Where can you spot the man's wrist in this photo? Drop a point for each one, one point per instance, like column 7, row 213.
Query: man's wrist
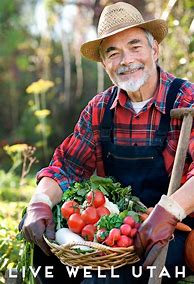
column 41, row 197
column 172, row 207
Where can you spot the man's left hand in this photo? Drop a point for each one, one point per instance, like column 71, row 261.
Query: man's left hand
column 154, row 233
column 158, row 229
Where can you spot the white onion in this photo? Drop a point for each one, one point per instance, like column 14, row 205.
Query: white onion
column 65, row 236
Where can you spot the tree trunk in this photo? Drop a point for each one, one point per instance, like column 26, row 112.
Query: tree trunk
column 79, row 72
column 67, row 68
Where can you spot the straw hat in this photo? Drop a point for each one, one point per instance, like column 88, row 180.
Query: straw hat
column 119, row 17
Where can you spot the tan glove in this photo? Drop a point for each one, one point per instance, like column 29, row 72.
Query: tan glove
column 158, row 229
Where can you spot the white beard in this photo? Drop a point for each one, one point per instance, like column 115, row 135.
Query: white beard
column 130, row 85
column 133, row 85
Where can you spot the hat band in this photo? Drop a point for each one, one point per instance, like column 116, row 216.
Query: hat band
column 118, row 27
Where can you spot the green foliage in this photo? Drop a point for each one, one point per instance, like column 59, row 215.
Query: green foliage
column 10, row 247
column 14, row 63
column 22, row 157
column 8, row 179
column 178, row 46
column 13, row 200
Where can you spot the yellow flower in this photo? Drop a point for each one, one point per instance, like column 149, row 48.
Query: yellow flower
column 42, row 113
column 15, row 148
column 39, row 87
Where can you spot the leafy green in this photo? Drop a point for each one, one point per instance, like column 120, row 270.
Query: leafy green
column 59, row 221
column 77, row 191
column 113, row 190
column 122, row 196
column 110, row 221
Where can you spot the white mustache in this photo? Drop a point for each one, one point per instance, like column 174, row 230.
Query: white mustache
column 130, row 67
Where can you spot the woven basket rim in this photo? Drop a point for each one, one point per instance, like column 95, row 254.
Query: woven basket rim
column 88, row 244
column 101, row 256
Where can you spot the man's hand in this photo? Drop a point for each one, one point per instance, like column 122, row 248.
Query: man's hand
column 39, row 221
column 158, row 229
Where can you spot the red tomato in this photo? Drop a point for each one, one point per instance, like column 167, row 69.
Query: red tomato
column 101, row 235
column 89, row 215
column 125, row 229
column 124, row 241
column 95, row 198
column 115, row 234
column 130, row 221
column 88, row 232
column 68, row 208
column 75, row 223
column 133, row 232
column 101, row 211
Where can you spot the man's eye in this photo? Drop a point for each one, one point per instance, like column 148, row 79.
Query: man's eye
column 113, row 54
column 136, row 47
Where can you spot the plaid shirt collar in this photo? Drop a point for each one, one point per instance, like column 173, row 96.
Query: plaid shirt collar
column 158, row 100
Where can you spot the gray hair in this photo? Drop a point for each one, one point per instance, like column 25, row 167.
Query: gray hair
column 150, row 38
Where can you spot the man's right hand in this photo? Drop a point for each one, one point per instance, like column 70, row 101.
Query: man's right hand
column 39, row 221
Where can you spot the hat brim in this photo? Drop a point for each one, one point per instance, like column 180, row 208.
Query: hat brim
column 157, row 27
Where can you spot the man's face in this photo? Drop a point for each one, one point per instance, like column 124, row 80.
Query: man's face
column 129, row 59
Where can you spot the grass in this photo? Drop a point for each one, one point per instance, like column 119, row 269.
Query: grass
column 12, row 203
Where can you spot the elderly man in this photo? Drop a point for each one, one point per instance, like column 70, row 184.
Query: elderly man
column 126, row 132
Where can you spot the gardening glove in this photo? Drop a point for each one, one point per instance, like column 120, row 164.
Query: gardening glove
column 39, row 221
column 158, row 229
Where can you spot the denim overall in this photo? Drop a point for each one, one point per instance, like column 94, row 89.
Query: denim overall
column 142, row 167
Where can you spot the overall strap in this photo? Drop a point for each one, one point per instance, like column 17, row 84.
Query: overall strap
column 164, row 125
column 106, row 126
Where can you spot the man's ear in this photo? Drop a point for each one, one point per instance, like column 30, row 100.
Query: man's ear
column 155, row 50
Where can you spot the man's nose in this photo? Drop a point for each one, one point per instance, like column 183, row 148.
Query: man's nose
column 127, row 58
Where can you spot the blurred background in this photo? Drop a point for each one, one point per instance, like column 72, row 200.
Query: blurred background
column 45, row 83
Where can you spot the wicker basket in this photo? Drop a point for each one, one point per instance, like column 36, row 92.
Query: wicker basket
column 100, row 255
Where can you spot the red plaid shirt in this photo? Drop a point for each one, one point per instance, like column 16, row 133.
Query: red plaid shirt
column 80, row 154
